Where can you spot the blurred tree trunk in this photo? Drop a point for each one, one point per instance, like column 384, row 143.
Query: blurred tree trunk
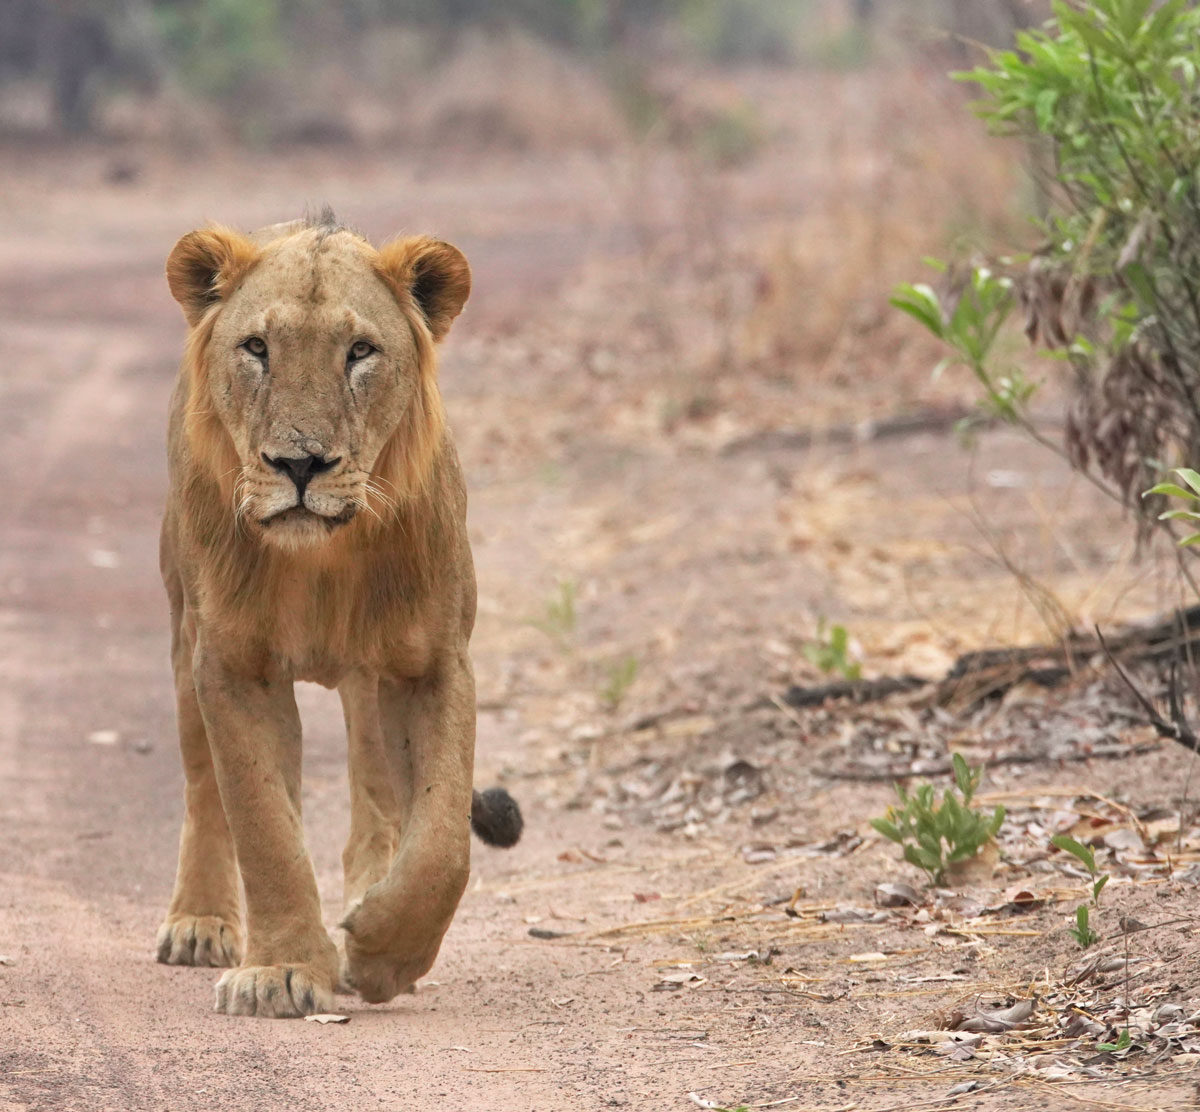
column 79, row 49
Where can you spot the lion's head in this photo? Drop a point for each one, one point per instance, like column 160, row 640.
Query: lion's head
column 312, row 380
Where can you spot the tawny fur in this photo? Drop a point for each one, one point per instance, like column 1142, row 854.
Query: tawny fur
column 365, row 584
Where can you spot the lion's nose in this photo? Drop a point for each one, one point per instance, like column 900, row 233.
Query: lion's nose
column 300, row 468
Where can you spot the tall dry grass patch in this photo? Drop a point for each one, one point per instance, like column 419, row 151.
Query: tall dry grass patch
column 900, row 171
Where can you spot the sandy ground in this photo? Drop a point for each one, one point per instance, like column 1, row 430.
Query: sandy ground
column 703, row 565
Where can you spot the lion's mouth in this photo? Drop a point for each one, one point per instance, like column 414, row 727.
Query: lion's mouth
column 302, row 515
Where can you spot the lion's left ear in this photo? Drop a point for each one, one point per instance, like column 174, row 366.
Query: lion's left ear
column 205, row 266
column 433, row 273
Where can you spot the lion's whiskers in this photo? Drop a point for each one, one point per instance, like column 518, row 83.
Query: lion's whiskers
column 240, row 498
column 389, row 503
column 364, row 504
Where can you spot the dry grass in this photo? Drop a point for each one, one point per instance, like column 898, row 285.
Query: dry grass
column 755, row 294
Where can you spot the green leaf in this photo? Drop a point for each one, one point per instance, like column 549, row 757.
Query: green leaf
column 1192, row 478
column 1175, row 515
column 1172, row 490
column 1043, row 108
column 962, row 774
column 921, row 303
column 1124, row 1041
column 1098, row 887
column 1076, row 849
column 929, row 842
column 888, row 830
column 923, row 859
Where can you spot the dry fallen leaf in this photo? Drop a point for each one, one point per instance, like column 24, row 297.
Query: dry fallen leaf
column 853, row 915
column 673, row 982
column 327, row 1017
column 758, row 853
column 1000, row 1019
column 1124, row 839
column 897, row 895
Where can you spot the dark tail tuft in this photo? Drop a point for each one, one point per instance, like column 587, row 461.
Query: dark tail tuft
column 496, row 818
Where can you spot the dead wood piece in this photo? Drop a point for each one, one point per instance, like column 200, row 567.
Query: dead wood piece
column 986, row 674
column 858, row 691
column 930, row 420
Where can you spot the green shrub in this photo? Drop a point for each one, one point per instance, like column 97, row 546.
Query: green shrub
column 937, row 835
column 1106, row 97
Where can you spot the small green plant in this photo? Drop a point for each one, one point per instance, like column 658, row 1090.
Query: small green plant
column 1174, row 490
column 558, row 621
column 1082, row 931
column 935, row 835
column 618, row 679
column 1123, row 1042
column 831, row 652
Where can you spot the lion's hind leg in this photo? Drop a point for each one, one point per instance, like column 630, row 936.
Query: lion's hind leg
column 203, row 925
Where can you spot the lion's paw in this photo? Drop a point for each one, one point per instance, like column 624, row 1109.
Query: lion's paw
column 379, row 977
column 199, row 940
column 273, row 991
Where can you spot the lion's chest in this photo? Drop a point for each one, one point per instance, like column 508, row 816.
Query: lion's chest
column 325, row 627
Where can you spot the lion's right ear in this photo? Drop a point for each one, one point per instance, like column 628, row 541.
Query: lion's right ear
column 205, row 265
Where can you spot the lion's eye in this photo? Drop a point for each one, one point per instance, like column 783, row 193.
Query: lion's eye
column 256, row 346
column 360, row 349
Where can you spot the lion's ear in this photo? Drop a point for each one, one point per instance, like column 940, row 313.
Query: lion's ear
column 204, row 266
column 435, row 274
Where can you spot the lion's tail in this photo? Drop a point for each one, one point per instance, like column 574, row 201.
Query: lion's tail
column 496, row 818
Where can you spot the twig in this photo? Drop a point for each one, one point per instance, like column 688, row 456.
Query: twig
column 504, row 1069
column 1177, row 730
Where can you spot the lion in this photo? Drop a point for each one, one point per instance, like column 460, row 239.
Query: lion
column 315, row 530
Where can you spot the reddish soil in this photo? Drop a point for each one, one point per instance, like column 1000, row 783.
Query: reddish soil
column 669, row 825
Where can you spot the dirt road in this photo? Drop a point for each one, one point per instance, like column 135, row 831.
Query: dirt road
column 644, row 991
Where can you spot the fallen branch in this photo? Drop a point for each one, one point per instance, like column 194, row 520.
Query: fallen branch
column 989, row 673
column 860, row 432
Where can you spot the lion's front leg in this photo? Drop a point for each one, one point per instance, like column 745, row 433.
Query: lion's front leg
column 394, row 933
column 254, row 731
column 203, row 925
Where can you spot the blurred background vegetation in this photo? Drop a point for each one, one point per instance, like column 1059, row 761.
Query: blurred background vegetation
column 280, row 70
